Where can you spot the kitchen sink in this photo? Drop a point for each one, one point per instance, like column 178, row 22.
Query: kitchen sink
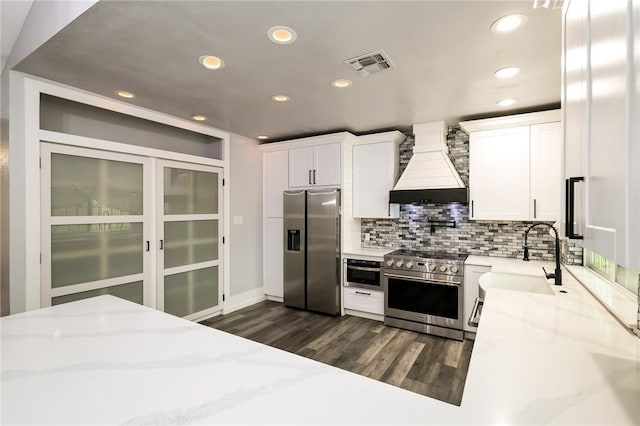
column 528, row 283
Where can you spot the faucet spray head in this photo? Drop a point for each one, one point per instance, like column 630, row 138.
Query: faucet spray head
column 526, row 253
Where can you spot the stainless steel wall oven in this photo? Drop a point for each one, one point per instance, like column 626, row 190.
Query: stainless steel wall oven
column 363, row 274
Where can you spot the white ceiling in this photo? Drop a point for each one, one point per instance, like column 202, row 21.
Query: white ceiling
column 444, row 53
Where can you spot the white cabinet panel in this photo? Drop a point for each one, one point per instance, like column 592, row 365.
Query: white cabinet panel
column 546, row 171
column 634, row 153
column 370, row 301
column 575, row 87
column 273, row 257
column 375, row 170
column 315, row 165
column 605, row 232
column 301, row 165
column 327, row 164
column 472, row 274
column 276, row 181
column 499, row 174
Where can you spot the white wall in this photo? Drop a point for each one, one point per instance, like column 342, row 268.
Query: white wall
column 246, row 203
column 44, row 20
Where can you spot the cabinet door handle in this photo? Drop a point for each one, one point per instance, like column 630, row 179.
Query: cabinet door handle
column 314, row 176
column 161, row 244
column 364, row 293
column 148, row 245
column 471, row 208
column 309, row 176
column 535, row 212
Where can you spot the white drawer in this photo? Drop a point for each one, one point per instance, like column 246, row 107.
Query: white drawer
column 363, row 300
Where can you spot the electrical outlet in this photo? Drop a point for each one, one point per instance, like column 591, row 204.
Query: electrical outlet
column 367, row 236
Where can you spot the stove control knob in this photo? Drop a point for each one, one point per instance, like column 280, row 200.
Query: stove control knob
column 399, row 264
column 454, row 269
column 409, row 265
column 390, row 262
column 432, row 268
column 443, row 268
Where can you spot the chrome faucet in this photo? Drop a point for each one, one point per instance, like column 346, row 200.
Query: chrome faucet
column 557, row 276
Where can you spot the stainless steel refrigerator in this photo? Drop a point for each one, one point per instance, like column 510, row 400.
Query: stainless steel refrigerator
column 312, row 250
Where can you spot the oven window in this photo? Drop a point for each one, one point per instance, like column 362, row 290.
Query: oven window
column 423, row 298
column 363, row 277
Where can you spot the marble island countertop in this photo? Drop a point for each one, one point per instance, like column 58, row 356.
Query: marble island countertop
column 538, row 359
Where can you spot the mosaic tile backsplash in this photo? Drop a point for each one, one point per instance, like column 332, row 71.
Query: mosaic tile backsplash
column 412, row 229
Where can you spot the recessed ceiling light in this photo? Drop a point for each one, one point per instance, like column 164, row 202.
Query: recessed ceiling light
column 211, row 62
column 508, row 23
column 125, row 94
column 280, row 98
column 507, row 72
column 341, row 83
column 198, row 117
column 281, row 35
column 506, row 102
column 263, row 137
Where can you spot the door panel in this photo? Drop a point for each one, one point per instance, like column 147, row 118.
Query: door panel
column 189, row 227
column 294, row 241
column 95, row 223
column 323, row 257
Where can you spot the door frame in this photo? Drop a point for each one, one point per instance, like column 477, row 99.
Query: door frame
column 25, row 137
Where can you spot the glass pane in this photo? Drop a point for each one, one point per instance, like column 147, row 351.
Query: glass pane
column 190, row 242
column 131, row 291
column 191, row 292
column 84, row 253
column 628, row 279
column 190, row 192
column 82, row 186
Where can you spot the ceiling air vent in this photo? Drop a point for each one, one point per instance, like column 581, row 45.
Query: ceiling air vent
column 370, row 63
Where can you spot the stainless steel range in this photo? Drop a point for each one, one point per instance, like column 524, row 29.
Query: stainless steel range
column 424, row 291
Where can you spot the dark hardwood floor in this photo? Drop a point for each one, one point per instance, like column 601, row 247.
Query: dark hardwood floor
column 428, row 365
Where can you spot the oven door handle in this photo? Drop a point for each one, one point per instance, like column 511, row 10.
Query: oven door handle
column 424, row 280
column 362, row 268
column 474, row 319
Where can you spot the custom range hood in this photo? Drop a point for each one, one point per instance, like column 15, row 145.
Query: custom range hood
column 430, row 177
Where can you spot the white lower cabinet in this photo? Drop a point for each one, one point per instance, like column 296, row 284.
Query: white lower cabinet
column 369, row 301
column 472, row 274
column 273, row 257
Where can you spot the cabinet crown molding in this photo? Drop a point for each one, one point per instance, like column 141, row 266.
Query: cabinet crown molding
column 528, row 119
column 309, row 141
column 393, row 136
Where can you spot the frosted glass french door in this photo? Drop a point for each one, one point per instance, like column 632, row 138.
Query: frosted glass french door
column 189, row 229
column 95, row 225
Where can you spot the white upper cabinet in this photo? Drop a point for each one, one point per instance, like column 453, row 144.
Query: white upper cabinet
column 276, row 181
column 315, row 165
column 499, row 174
column 607, row 146
column 375, row 171
column 301, row 165
column 546, row 171
column 327, row 164
column 601, row 102
column 515, row 167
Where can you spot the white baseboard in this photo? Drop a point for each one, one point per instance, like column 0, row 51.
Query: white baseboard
column 242, row 300
column 275, row 298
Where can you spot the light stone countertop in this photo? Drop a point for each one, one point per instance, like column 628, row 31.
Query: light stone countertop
column 367, row 253
column 537, row 359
